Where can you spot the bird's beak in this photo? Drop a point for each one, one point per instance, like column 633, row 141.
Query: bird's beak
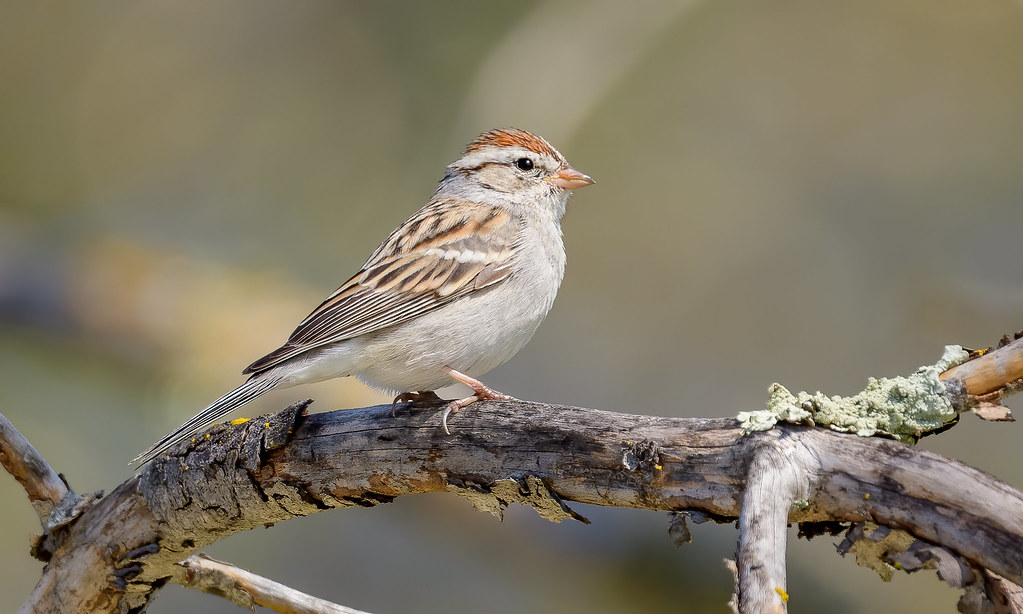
column 567, row 178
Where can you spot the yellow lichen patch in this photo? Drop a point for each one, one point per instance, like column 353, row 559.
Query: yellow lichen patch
column 238, row 421
column 781, row 592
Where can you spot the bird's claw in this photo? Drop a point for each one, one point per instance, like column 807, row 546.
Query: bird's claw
column 452, row 409
column 412, row 398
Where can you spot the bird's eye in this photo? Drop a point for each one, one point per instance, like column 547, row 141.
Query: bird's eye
column 524, row 164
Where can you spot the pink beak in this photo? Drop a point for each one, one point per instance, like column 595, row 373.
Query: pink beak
column 567, row 178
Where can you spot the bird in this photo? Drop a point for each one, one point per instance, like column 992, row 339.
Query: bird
column 453, row 292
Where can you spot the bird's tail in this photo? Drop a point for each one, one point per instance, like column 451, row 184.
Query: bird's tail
column 224, row 405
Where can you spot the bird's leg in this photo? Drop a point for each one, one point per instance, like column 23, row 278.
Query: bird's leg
column 481, row 392
column 427, row 396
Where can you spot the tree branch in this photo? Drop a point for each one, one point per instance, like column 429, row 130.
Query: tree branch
column 45, row 489
column 778, row 476
column 242, row 477
column 992, row 371
column 990, row 376
column 123, row 548
column 247, row 589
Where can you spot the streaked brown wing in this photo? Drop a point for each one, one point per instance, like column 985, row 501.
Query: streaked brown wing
column 446, row 251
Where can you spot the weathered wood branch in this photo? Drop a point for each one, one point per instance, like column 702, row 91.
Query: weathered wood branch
column 124, row 547
column 993, row 372
column 365, row 457
column 777, row 477
column 247, row 589
column 991, row 376
column 45, row 489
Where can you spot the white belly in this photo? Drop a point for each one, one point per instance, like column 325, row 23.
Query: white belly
column 472, row 335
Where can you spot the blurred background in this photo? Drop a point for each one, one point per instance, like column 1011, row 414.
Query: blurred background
column 794, row 191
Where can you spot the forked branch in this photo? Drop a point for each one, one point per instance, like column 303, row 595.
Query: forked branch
column 124, row 547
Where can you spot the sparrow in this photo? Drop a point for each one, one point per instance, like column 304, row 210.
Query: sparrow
column 452, row 293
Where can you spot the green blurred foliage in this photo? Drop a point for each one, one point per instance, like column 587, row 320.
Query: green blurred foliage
column 792, row 191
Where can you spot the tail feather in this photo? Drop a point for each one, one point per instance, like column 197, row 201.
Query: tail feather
column 241, row 395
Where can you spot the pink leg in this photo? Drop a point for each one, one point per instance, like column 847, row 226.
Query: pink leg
column 480, row 390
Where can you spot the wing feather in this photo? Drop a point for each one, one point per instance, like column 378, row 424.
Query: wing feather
column 451, row 248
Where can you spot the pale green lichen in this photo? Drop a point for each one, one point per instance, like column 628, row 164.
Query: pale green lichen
column 902, row 407
column 873, row 552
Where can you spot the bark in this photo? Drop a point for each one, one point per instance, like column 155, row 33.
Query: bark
column 247, row 589
column 115, row 553
column 541, row 455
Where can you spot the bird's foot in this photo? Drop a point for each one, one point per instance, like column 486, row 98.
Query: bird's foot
column 481, row 392
column 423, row 396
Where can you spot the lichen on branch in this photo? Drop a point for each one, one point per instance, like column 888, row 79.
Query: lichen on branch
column 904, row 407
